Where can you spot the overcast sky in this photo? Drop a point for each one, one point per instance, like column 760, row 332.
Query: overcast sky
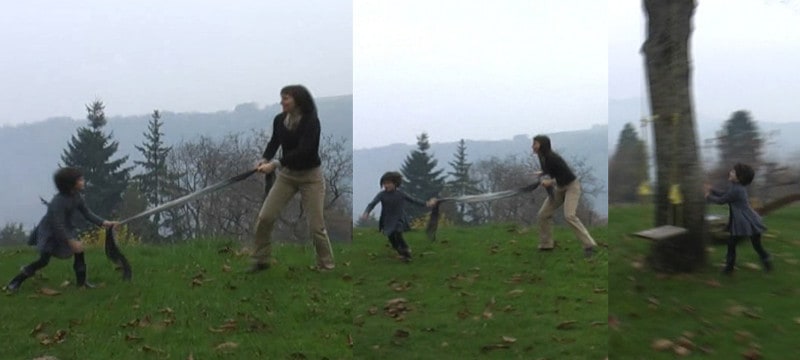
column 477, row 69
column 745, row 55
column 138, row 56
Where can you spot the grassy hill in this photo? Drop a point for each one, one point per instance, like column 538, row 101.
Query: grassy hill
column 464, row 294
column 748, row 314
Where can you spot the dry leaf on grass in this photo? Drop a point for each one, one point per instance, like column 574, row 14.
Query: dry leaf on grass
column 661, row 344
column 229, row 345
column 65, row 283
column 509, row 339
column 516, row 292
column 400, row 333
column 569, row 324
column 681, row 351
column 37, row 329
column 350, row 340
column 752, row 354
column 47, row 357
column 132, row 337
column 148, row 348
column 226, row 268
column 491, row 347
column 49, row 292
column 191, row 356
column 60, row 336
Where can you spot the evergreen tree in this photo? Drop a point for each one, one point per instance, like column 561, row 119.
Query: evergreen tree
column 156, row 184
column 421, row 180
column 739, row 141
column 461, row 183
column 91, row 150
column 628, row 166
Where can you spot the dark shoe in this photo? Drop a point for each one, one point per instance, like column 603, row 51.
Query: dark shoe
column 728, row 270
column 767, row 265
column 588, row 252
column 12, row 287
column 257, row 267
column 86, row 285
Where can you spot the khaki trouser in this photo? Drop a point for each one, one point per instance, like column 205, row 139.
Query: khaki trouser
column 568, row 196
column 311, row 185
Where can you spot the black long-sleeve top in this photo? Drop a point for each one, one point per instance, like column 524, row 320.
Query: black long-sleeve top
column 300, row 146
column 555, row 166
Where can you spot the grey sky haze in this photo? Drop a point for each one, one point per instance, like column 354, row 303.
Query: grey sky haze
column 745, row 55
column 181, row 56
column 477, row 69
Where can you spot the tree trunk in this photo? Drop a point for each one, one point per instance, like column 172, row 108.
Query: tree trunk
column 666, row 52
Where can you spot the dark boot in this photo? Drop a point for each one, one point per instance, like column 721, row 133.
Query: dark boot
column 80, row 272
column 16, row 282
column 730, row 256
column 765, row 258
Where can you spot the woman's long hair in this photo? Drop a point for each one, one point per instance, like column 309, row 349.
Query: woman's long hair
column 302, row 98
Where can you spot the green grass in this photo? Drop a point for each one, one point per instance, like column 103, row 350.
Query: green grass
column 723, row 317
column 475, row 286
column 292, row 312
column 288, row 311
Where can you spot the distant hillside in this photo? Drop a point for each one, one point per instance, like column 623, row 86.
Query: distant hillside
column 30, row 153
column 589, row 144
column 782, row 144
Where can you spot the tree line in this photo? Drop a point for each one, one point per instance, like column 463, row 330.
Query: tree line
column 423, row 180
column 115, row 189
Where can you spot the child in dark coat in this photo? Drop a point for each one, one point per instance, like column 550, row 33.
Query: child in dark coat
column 393, row 220
column 743, row 220
column 56, row 235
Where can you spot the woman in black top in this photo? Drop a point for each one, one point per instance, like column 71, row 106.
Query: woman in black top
column 56, row 235
column 296, row 131
column 567, row 192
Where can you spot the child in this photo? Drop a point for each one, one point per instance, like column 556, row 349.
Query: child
column 742, row 221
column 393, row 221
column 56, row 235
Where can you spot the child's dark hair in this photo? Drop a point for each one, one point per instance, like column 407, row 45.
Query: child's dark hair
column 302, row 97
column 393, row 176
column 744, row 173
column 66, row 178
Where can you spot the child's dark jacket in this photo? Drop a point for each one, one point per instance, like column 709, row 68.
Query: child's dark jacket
column 743, row 220
column 56, row 227
column 393, row 216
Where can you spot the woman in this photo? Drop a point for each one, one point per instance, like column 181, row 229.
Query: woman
column 567, row 192
column 296, row 131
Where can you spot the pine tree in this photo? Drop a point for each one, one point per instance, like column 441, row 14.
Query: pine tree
column 461, row 183
column 421, row 180
column 91, row 150
column 628, row 166
column 739, row 141
column 156, row 183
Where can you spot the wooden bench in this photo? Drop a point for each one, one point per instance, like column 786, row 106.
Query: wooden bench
column 661, row 232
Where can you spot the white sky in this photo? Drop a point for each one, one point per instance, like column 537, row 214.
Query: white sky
column 477, row 69
column 745, row 55
column 57, row 56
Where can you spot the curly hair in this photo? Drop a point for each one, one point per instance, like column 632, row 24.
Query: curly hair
column 302, row 97
column 66, row 178
column 744, row 173
column 393, row 176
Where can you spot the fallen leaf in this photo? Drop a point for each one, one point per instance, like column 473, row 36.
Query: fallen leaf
column 752, row 266
column 685, row 342
column 65, row 283
column 49, row 292
column 516, row 292
column 197, row 282
column 566, row 325
column 752, row 354
column 132, row 337
column 491, row 347
column 226, row 268
column 509, row 339
column 599, row 291
column 148, row 348
column 713, row 283
column 37, row 329
column 167, row 310
column 372, row 310
column 681, row 351
column 742, row 336
column 661, row 344
column 399, row 333
column 653, row 301
column 191, row 356
column 46, row 341
column 60, row 336
column 752, row 315
column 47, row 357
column 349, row 340
column 229, row 345
column 735, row 310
